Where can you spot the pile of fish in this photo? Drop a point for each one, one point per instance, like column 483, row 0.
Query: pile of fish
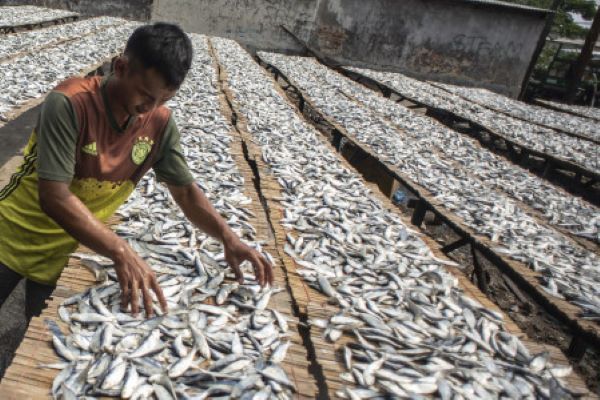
column 32, row 75
column 219, row 339
column 450, row 172
column 558, row 207
column 548, row 141
column 588, row 112
column 26, row 15
column 528, row 112
column 30, row 41
column 413, row 332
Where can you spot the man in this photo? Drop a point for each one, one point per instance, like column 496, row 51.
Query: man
column 94, row 140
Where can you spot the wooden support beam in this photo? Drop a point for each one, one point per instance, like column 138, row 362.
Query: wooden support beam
column 337, row 139
column 412, row 203
column 548, row 165
column 577, row 70
column 419, row 213
column 515, row 289
column 394, row 186
column 514, row 154
column 590, row 183
column 577, row 348
column 480, row 274
column 456, row 245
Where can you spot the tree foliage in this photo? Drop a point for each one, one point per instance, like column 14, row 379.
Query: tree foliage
column 564, row 25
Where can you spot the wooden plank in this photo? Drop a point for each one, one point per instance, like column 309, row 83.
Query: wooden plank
column 297, row 367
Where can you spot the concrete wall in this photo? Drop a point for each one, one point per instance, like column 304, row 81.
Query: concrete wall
column 255, row 23
column 451, row 41
column 131, row 9
column 448, row 40
column 442, row 40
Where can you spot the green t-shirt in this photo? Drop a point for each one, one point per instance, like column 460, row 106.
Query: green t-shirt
column 77, row 140
column 57, row 146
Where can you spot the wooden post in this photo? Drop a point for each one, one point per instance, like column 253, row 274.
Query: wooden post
column 482, row 282
column 547, row 168
column 337, row 140
column 419, row 213
column 455, row 245
column 539, row 47
column 574, row 78
column 577, row 348
column 394, row 186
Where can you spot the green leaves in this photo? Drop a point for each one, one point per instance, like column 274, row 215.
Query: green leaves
column 564, row 25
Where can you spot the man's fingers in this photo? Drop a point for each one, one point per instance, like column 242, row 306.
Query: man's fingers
column 123, row 285
column 267, row 277
column 258, row 269
column 268, row 270
column 147, row 300
column 125, row 292
column 159, row 294
column 239, row 276
column 135, row 294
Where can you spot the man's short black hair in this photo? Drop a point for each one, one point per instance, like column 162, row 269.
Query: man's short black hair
column 164, row 47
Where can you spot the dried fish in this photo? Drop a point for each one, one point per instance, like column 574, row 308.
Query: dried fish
column 30, row 41
column 527, row 112
column 197, row 350
column 32, row 75
column 462, row 178
column 26, row 15
column 548, row 141
column 377, row 269
column 582, row 111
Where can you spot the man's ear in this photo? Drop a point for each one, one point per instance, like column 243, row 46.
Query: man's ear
column 121, row 66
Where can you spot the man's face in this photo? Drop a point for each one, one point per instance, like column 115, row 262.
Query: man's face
column 140, row 90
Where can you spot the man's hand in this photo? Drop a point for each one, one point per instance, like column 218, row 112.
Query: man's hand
column 57, row 201
column 135, row 275
column 237, row 252
column 198, row 209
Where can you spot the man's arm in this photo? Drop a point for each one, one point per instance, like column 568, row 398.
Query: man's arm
column 198, row 209
column 171, row 168
column 57, row 201
column 57, row 132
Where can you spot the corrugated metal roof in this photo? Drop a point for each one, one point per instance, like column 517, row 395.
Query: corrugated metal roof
column 506, row 4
